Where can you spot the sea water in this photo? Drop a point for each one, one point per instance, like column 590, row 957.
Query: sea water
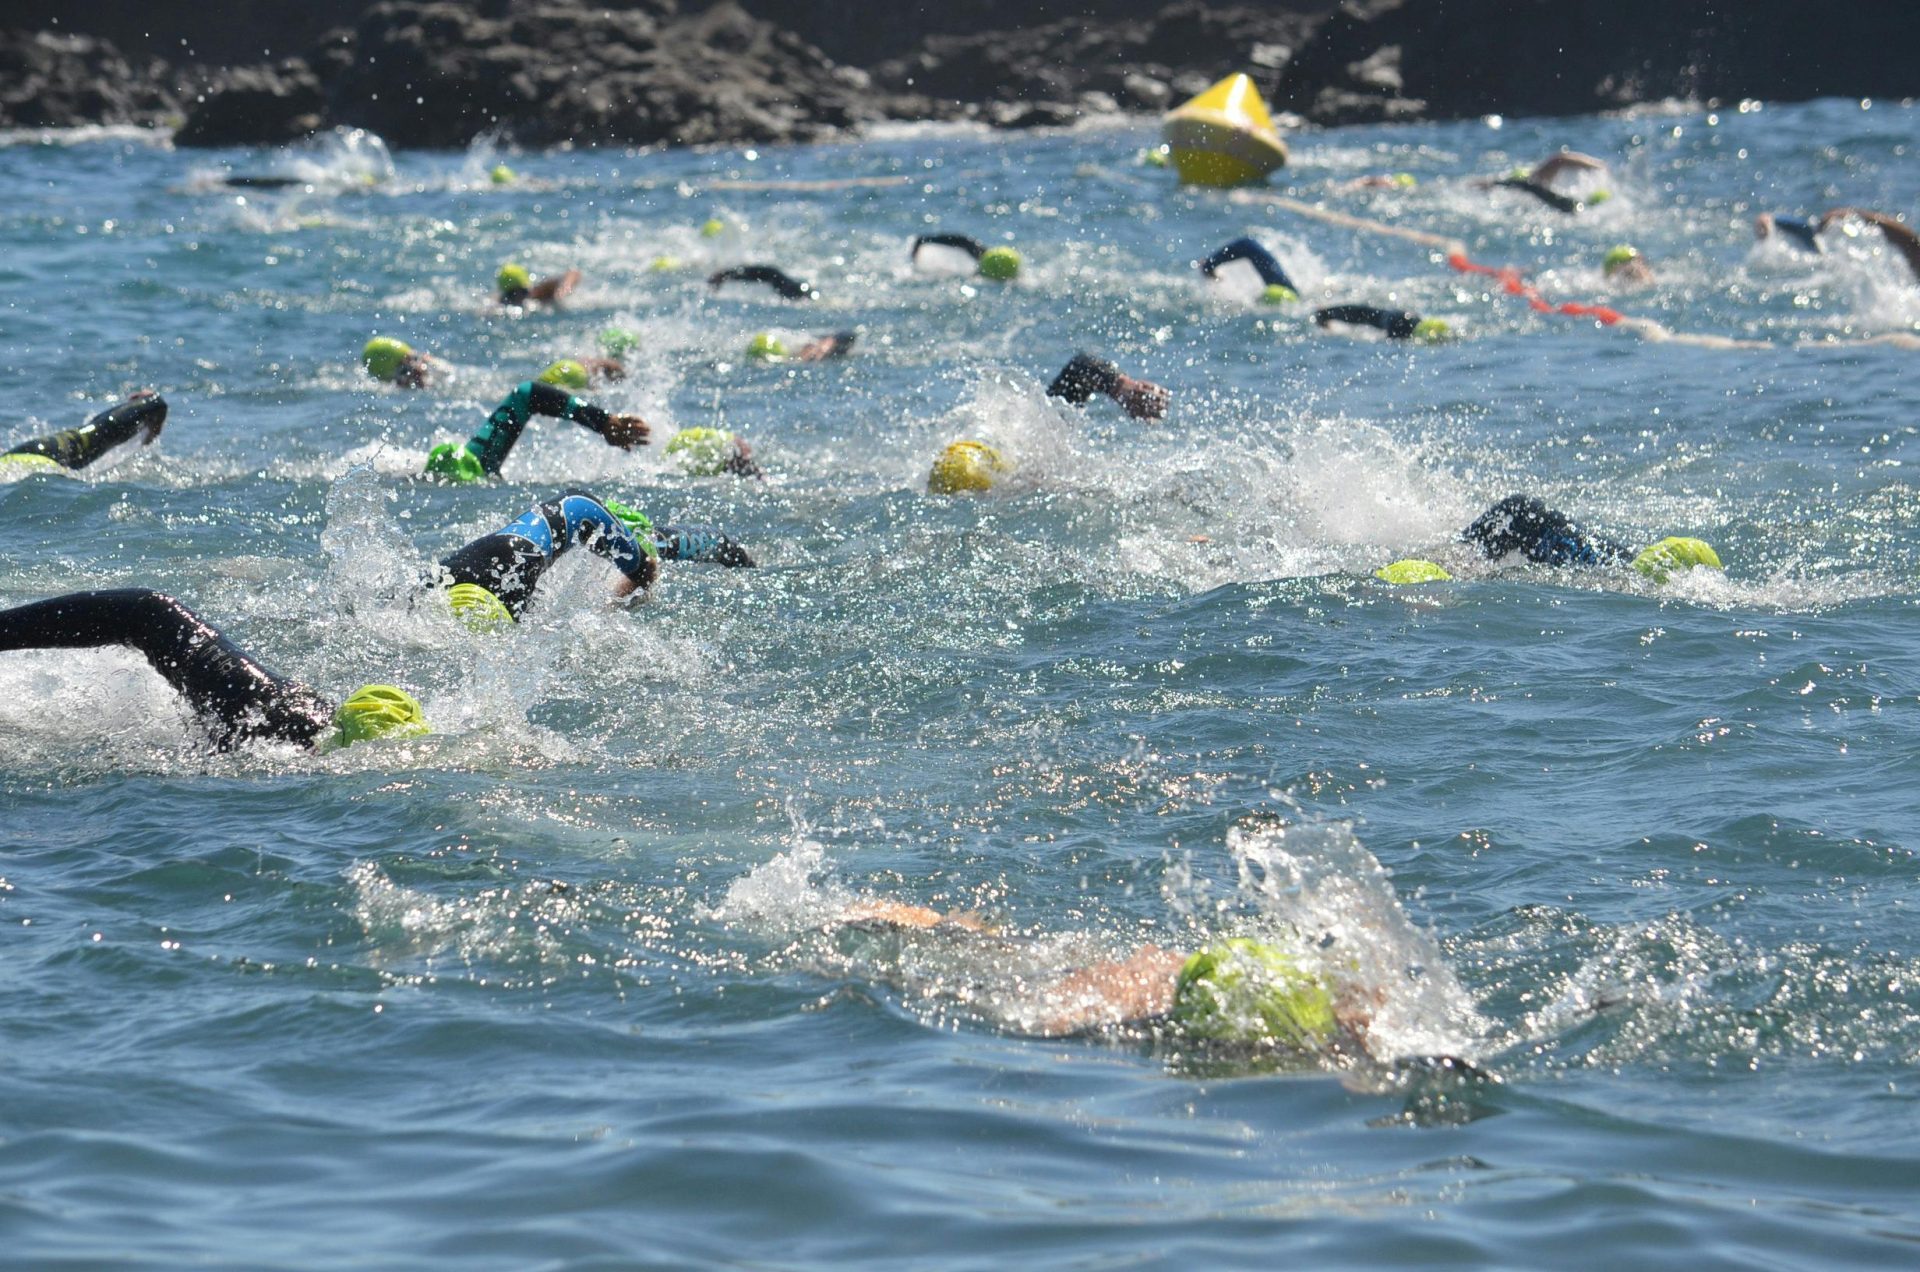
column 560, row 986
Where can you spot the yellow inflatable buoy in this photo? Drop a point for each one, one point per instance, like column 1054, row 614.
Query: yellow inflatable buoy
column 1224, row 137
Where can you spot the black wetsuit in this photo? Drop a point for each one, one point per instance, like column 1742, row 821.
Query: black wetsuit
column 1547, row 195
column 236, row 698
column 78, row 447
column 782, row 282
column 1084, row 376
column 496, row 438
column 1246, row 249
column 1523, row 524
column 1397, row 323
column 971, row 246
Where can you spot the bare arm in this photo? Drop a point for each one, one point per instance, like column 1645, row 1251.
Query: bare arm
column 1566, row 161
column 1138, row 987
column 1900, row 237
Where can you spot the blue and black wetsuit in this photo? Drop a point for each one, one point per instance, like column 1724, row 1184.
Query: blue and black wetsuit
column 496, row 438
column 1246, row 249
column 77, row 447
column 236, row 698
column 1523, row 524
column 510, row 561
column 703, row 544
column 778, row 279
column 1397, row 323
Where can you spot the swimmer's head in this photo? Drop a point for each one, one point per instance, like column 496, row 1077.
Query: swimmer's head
column 618, row 342
column 565, row 374
column 714, row 228
column 766, row 348
column 512, row 278
column 478, row 608
column 1618, row 258
column 1244, row 991
column 1519, row 172
column 1674, row 555
column 1002, row 264
column 1405, row 180
column 966, row 467
column 638, row 524
column 501, row 175
column 383, row 355
column 703, row 452
column 1432, row 330
column 1278, row 294
column 664, row 264
column 456, row 464
column 1411, row 570
column 378, row 711
column 1156, row 156
column 1598, row 197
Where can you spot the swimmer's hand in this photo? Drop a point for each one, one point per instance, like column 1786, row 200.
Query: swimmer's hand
column 1142, row 399
column 150, row 433
column 626, row 431
column 901, row 915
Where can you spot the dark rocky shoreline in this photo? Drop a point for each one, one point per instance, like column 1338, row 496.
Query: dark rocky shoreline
column 675, row 72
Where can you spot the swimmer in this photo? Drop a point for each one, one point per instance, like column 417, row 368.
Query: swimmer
column 1899, row 237
column 765, row 347
column 144, row 414
column 710, row 452
column 1382, row 181
column 493, row 578
column 1538, row 181
column 236, row 699
column 398, row 363
column 488, row 449
column 785, row 284
column 1001, row 264
column 1085, row 375
column 1544, row 536
column 1279, row 287
column 518, row 289
column 582, row 372
column 1625, row 266
column 1398, row 324
column 1797, row 232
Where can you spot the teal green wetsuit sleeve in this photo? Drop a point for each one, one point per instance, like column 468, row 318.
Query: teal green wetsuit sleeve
column 496, row 438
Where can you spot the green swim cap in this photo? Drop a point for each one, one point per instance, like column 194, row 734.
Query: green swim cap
column 378, row 711
column 1432, row 330
column 1519, row 172
column 478, row 608
column 1278, row 294
column 714, row 228
column 1155, row 156
column 565, row 374
column 455, row 464
column 661, row 264
column 1623, row 254
column 618, row 342
column 638, row 524
column 1001, row 264
column 501, row 175
column 1674, row 555
column 766, row 348
column 1598, row 197
column 383, row 355
column 512, row 278
column 1246, row 991
column 1412, row 570
column 702, row 452
column 1405, row 180
column 966, row 467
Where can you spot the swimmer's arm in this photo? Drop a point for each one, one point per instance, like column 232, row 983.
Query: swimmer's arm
column 1085, row 375
column 700, row 544
column 826, row 348
column 1900, row 237
column 1566, row 161
column 971, row 246
column 549, row 290
column 778, row 279
column 902, row 915
column 623, row 431
column 1139, row 987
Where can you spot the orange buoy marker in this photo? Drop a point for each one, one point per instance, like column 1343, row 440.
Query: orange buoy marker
column 1224, row 137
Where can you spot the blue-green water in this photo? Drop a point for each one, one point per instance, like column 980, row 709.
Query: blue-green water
column 551, row 989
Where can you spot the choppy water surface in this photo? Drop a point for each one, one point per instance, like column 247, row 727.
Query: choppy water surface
column 551, row 987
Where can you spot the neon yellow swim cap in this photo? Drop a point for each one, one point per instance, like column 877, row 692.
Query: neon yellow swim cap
column 1001, row 264
column 1278, row 294
column 1405, row 180
column 1156, row 156
column 378, row 711
column 661, row 264
column 618, row 342
column 454, row 463
column 714, row 228
column 478, row 608
column 1246, row 991
column 1616, row 257
column 1519, row 172
column 1674, row 555
column 501, row 175
column 383, row 355
column 702, row 452
column 966, row 467
column 1432, row 330
column 512, row 278
column 565, row 374
column 766, row 348
column 1412, row 570
column 1598, row 197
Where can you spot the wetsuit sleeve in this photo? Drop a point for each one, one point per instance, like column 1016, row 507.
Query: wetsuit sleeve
column 1800, row 230
column 781, row 281
column 700, row 543
column 496, row 438
column 1246, row 249
column 1523, row 524
column 1083, row 377
column 588, row 523
column 237, row 698
column 77, row 447
column 1397, row 323
column 971, row 246
column 1552, row 198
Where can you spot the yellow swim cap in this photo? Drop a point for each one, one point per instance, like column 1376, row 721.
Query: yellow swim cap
column 383, row 355
column 501, row 174
column 1405, row 180
column 966, row 466
column 1002, row 264
column 1432, row 330
column 766, row 348
column 714, row 228
column 1412, row 570
column 1598, row 197
column 702, row 452
column 378, row 711
column 1674, row 555
column 478, row 608
column 512, row 278
column 1278, row 294
column 1246, row 991
column 565, row 374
